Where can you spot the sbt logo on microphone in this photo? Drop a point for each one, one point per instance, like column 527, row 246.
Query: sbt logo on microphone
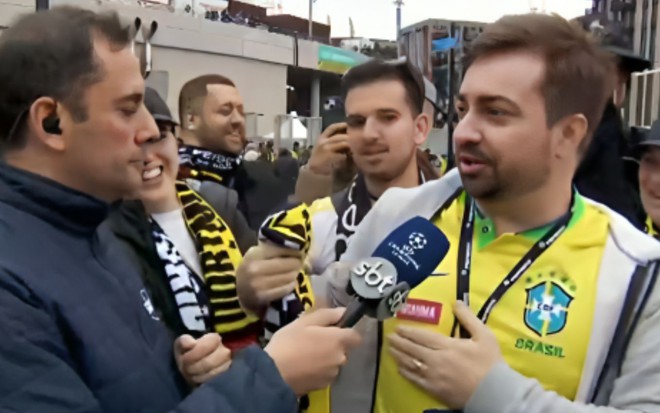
column 373, row 277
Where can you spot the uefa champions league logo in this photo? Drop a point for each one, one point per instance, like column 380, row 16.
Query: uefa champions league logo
column 417, row 241
column 406, row 251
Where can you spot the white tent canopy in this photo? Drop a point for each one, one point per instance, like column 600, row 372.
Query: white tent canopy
column 291, row 129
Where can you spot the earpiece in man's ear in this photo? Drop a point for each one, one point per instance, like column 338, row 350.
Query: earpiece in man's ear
column 51, row 125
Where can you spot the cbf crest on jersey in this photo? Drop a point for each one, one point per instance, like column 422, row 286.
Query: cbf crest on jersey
column 549, row 296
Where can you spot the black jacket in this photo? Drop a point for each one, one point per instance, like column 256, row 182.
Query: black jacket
column 286, row 169
column 130, row 224
column 260, row 192
column 79, row 332
column 601, row 175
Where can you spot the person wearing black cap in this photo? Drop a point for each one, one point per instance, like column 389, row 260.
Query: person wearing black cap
column 158, row 232
column 648, row 153
column 602, row 174
column 189, row 246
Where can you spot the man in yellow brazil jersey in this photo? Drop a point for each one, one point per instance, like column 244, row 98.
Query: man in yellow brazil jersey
column 649, row 178
column 547, row 302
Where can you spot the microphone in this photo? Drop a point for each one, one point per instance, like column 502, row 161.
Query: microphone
column 371, row 280
column 400, row 263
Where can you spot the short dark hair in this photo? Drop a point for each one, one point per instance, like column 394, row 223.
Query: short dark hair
column 51, row 53
column 579, row 75
column 378, row 70
column 194, row 91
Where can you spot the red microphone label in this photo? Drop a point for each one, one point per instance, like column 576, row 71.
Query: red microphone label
column 421, row 311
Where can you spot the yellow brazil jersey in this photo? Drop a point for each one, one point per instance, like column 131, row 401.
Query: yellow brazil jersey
column 541, row 322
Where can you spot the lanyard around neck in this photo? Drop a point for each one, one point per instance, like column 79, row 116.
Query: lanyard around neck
column 464, row 262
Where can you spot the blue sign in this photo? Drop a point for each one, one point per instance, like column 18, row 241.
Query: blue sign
column 446, row 43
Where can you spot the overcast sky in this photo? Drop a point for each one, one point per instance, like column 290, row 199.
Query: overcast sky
column 377, row 18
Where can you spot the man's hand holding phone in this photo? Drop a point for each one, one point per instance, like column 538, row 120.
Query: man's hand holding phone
column 331, row 149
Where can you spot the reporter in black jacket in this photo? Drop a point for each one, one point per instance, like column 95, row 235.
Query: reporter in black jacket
column 79, row 330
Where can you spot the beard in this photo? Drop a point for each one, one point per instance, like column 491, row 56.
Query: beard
column 482, row 188
column 496, row 184
column 215, row 141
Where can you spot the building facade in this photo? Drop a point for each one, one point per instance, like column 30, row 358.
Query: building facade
column 637, row 24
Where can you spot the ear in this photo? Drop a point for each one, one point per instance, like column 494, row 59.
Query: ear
column 42, row 108
column 192, row 121
column 422, row 128
column 572, row 135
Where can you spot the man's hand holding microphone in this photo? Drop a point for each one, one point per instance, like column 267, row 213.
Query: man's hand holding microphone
column 309, row 351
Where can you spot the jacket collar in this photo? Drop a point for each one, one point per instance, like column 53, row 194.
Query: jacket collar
column 51, row 201
column 129, row 221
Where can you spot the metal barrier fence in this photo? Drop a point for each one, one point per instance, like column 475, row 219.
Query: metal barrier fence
column 644, row 100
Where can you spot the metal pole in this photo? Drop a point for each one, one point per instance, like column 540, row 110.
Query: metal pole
column 649, row 21
column 315, row 102
column 311, row 15
column 398, row 4
column 450, row 113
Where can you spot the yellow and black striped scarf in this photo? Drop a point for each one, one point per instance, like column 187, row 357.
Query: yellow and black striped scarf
column 291, row 229
column 220, row 257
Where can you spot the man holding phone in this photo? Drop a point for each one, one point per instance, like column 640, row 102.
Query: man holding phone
column 330, row 156
column 331, row 169
column 385, row 124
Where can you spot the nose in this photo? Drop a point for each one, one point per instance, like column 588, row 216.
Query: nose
column 467, row 132
column 371, row 128
column 147, row 129
column 237, row 118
